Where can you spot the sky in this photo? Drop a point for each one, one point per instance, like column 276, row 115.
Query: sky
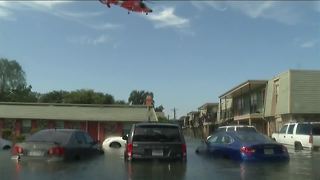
column 186, row 52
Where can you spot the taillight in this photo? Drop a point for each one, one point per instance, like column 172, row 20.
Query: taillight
column 247, row 150
column 17, row 150
column 184, row 149
column 129, row 150
column 56, row 151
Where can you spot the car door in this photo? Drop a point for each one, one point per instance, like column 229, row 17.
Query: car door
column 289, row 138
column 225, row 146
column 214, row 144
column 91, row 146
column 81, row 144
column 282, row 134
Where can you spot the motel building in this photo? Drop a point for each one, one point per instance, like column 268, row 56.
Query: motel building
column 100, row 121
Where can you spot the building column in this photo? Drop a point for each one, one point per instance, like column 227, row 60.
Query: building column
column 249, row 121
column 17, row 127
column 98, row 130
column 34, row 124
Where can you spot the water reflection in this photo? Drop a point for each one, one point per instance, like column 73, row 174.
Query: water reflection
column 302, row 165
column 154, row 169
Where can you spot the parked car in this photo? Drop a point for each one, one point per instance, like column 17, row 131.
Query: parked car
column 237, row 128
column 113, row 142
column 57, row 145
column 302, row 135
column 244, row 146
column 155, row 141
column 5, row 144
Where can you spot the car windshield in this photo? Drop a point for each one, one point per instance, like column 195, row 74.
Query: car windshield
column 157, row 133
column 59, row 137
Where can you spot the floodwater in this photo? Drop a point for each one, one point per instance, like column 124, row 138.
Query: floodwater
column 303, row 165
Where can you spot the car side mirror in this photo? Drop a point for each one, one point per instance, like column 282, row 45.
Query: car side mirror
column 125, row 137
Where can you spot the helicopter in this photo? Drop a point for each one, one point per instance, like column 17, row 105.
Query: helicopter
column 130, row 5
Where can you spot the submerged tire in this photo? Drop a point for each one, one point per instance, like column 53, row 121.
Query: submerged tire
column 298, row 146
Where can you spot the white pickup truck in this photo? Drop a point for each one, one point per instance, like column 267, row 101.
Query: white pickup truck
column 302, row 135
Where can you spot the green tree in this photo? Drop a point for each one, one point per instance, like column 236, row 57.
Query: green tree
column 159, row 108
column 22, row 94
column 13, row 86
column 139, row 97
column 11, row 77
column 53, row 97
column 120, row 102
column 88, row 96
column 163, row 120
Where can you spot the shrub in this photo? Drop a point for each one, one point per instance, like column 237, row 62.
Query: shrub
column 20, row 138
column 6, row 133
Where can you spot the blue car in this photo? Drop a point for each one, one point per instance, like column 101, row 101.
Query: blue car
column 245, row 146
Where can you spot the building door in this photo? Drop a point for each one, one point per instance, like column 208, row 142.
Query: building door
column 93, row 130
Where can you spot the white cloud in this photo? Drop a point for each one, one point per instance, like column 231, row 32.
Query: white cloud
column 52, row 7
column 48, row 4
column 317, row 5
column 309, row 44
column 217, row 5
column 283, row 12
column 86, row 40
column 253, row 9
column 167, row 18
column 106, row 26
column 5, row 13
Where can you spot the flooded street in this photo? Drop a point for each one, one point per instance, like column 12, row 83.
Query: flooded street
column 303, row 165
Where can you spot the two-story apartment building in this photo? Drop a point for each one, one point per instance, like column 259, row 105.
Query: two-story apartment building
column 291, row 96
column 208, row 116
column 244, row 104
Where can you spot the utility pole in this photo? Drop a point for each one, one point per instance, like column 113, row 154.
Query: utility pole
column 174, row 113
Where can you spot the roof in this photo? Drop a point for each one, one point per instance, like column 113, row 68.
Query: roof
column 77, row 112
column 244, row 87
column 208, row 105
column 156, row 124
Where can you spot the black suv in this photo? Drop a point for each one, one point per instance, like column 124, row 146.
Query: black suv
column 155, row 141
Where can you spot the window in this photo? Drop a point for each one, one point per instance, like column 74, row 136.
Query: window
column 316, row 129
column 88, row 138
column 303, row 129
column 59, row 124
column 61, row 137
column 226, row 140
column 283, row 129
column 214, row 139
column 157, row 133
column 290, row 130
column 26, row 126
column 80, row 138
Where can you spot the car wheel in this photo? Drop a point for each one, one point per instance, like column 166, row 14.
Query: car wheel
column 115, row 145
column 6, row 147
column 298, row 146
